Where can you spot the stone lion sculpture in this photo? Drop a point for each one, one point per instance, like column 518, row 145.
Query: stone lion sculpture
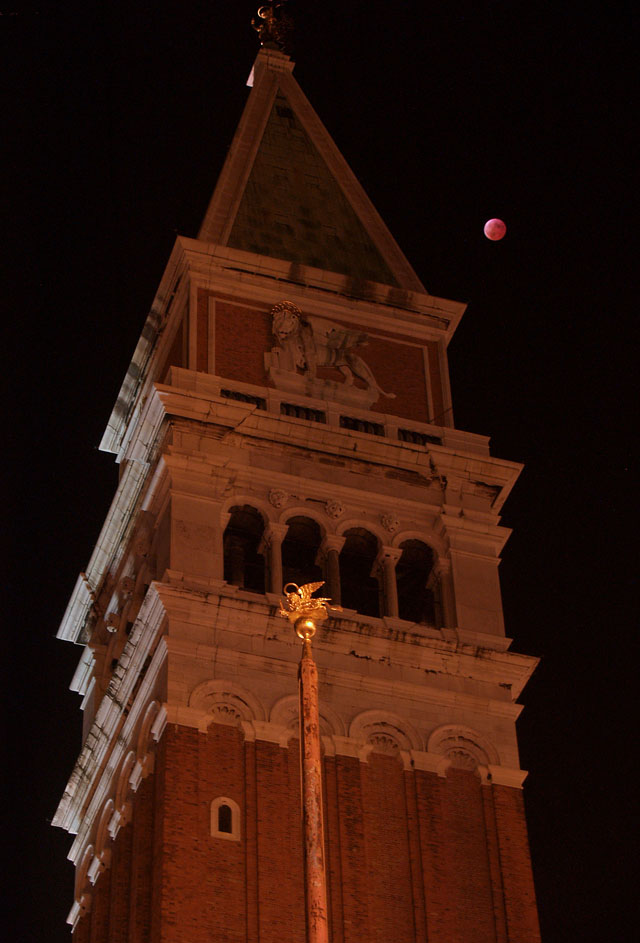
column 316, row 342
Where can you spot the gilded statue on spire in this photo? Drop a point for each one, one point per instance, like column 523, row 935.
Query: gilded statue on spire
column 273, row 25
column 304, row 610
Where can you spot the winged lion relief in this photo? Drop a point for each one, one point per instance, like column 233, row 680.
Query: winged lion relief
column 308, row 342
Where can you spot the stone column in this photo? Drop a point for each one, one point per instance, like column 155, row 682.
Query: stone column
column 312, row 813
column 443, row 591
column 329, row 554
column 272, row 538
column 386, row 563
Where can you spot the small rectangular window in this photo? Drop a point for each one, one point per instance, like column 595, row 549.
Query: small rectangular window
column 302, row 412
column 244, row 398
column 418, row 438
column 362, row 425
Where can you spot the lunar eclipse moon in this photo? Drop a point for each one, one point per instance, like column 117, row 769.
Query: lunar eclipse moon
column 494, row 229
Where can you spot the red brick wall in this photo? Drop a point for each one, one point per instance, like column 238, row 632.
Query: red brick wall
column 386, row 841
column 142, row 862
column 352, row 850
column 517, row 878
column 411, row 856
column 243, row 336
column 123, row 896
column 121, row 866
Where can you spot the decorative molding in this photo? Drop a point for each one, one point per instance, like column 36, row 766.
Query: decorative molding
column 429, row 762
column 334, row 509
column 79, row 908
column 385, row 732
column 226, row 702
column 347, row 746
column 286, row 712
column 503, row 776
column 273, row 733
column 108, row 550
column 463, row 747
column 278, row 498
column 99, row 864
column 390, row 522
column 111, row 734
column 159, row 724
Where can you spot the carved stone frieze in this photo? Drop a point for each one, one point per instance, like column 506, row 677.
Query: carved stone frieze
column 306, row 342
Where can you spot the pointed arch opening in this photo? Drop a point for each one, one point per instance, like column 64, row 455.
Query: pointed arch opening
column 300, row 550
column 414, row 579
column 244, row 564
column 360, row 589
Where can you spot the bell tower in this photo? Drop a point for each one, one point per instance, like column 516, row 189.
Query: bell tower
column 287, row 417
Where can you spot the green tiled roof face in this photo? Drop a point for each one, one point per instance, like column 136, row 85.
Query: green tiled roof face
column 293, row 208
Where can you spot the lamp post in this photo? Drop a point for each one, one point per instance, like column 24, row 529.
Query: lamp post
column 305, row 612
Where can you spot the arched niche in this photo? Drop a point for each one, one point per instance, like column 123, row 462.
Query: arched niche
column 102, row 857
column 464, row 747
column 414, row 572
column 300, row 550
column 226, row 702
column 385, row 732
column 360, row 589
column 82, row 872
column 286, row 713
column 244, row 564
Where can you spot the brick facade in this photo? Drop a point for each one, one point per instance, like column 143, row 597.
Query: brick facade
column 411, row 856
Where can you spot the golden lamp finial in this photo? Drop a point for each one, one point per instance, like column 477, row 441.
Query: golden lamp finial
column 303, row 610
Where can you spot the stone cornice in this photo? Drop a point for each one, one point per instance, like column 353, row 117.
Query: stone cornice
column 265, row 280
column 247, row 421
column 337, row 745
column 111, row 714
column 108, row 549
column 156, row 335
column 238, row 623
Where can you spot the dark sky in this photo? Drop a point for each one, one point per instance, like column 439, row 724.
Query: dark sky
column 118, row 120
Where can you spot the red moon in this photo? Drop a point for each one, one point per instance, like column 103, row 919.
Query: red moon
column 494, row 229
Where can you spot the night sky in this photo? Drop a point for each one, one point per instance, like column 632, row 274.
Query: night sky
column 118, row 120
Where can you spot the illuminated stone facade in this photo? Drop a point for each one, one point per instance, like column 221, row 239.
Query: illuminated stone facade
column 287, row 416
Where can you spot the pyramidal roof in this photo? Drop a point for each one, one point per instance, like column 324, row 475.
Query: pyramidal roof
column 286, row 192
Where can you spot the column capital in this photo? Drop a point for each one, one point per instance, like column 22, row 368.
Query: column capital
column 332, row 542
column 441, row 566
column 274, row 531
column 388, row 555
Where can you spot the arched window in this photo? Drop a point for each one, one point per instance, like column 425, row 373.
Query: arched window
column 225, row 819
column 243, row 563
column 415, row 597
column 299, row 552
column 360, row 590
